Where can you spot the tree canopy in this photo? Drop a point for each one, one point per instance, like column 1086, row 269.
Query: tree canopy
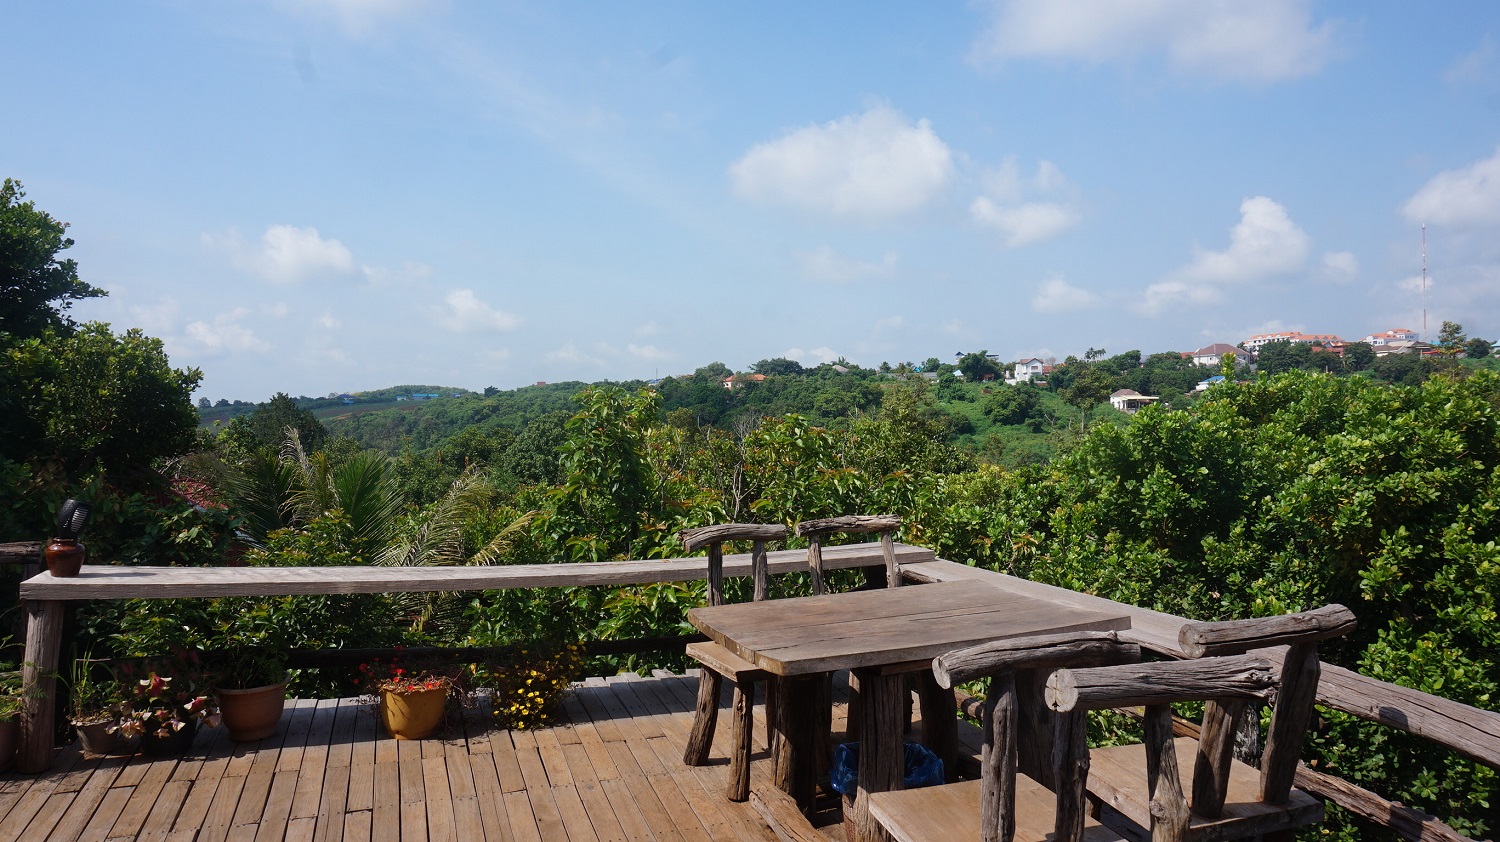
column 36, row 287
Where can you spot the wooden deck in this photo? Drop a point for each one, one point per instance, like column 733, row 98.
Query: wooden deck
column 613, row 771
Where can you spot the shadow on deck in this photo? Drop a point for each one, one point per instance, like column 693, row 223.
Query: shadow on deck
column 612, row 770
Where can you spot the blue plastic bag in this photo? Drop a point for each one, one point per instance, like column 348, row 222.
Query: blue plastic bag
column 922, row 768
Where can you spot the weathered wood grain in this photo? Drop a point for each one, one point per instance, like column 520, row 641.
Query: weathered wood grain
column 1215, row 752
column 884, row 627
column 1075, row 649
column 1236, row 637
column 111, row 582
column 1169, row 809
column 1159, row 683
column 21, row 552
column 44, row 621
column 1289, row 720
column 997, row 772
column 700, row 537
column 1471, row 732
column 1408, row 822
column 854, row 524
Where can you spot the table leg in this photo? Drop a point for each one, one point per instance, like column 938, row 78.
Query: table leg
column 796, row 742
column 881, row 753
column 1035, row 727
column 940, row 723
column 44, row 620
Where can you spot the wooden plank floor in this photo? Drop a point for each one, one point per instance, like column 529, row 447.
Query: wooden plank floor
column 612, row 771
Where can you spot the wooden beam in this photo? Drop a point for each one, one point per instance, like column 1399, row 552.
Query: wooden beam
column 1159, row 683
column 1236, row 637
column 21, row 552
column 849, row 523
column 696, row 539
column 1076, row 649
column 1471, row 732
column 122, row 582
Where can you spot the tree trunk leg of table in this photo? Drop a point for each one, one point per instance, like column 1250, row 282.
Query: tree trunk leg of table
column 855, row 712
column 796, row 716
column 881, row 753
column 44, row 621
column 705, row 718
column 940, row 723
column 1034, row 727
column 739, row 751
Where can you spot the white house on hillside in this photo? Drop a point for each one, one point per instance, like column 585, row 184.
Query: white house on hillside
column 1027, row 370
column 1211, row 355
column 1130, row 401
column 1395, row 334
column 1327, row 340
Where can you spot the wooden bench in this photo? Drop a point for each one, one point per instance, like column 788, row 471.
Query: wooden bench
column 1004, row 804
column 718, row 663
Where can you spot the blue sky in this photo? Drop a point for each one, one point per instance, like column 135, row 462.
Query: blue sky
column 334, row 195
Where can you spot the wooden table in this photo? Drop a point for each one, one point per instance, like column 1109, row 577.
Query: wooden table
column 879, row 635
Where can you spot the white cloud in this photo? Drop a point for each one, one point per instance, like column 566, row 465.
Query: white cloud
column 1024, row 224
column 278, row 310
column 285, row 254
column 1413, row 283
column 1164, row 294
column 156, row 320
column 1004, row 207
column 465, row 312
column 1474, row 66
column 646, row 352
column 889, row 323
column 225, row 334
column 647, row 330
column 874, row 164
column 1265, row 243
column 1340, row 266
column 357, row 17
column 953, row 327
column 1464, row 197
column 825, row 264
column 1263, row 41
column 328, row 322
column 1059, row 296
column 570, row 353
column 410, row 272
column 816, row 356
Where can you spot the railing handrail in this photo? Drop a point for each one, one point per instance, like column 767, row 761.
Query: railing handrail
column 133, row 582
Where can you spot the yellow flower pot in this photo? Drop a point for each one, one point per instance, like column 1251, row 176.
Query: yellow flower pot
column 412, row 715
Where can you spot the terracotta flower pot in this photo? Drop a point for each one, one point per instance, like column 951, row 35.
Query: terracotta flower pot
column 413, row 715
column 252, row 714
column 97, row 738
column 10, row 736
column 64, row 557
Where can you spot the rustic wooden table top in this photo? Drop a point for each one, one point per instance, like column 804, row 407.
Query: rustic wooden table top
column 898, row 628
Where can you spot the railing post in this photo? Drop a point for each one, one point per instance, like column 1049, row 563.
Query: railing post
column 44, row 619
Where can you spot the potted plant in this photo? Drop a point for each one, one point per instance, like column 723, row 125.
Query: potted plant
column 165, row 709
column 93, row 708
column 411, row 701
column 249, row 668
column 10, row 710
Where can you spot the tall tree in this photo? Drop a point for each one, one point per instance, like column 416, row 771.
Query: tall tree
column 1451, row 338
column 36, row 288
column 976, row 365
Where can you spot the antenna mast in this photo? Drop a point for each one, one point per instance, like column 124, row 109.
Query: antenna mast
column 1424, row 282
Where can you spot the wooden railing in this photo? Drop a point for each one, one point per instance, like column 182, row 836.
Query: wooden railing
column 1468, row 731
column 44, row 597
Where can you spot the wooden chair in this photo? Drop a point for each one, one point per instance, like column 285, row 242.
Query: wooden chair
column 718, row 663
column 1146, row 783
column 1004, row 804
column 816, row 531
